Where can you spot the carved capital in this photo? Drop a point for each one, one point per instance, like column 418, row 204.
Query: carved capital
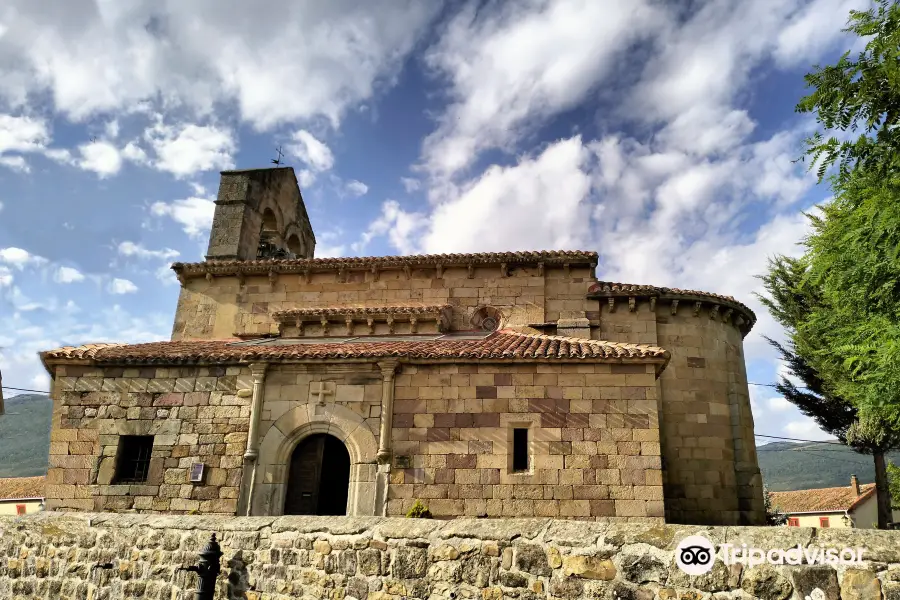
column 384, row 457
column 258, row 372
column 388, row 368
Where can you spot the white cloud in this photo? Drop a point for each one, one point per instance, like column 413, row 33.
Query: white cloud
column 806, row 429
column 411, row 184
column 135, row 154
column 357, row 188
column 1, row 206
column 303, row 61
column 68, row 275
column 6, row 276
column 16, row 163
column 112, row 129
column 399, row 225
column 311, row 151
column 138, row 251
column 779, row 404
column 520, row 64
column 101, row 157
column 22, row 134
column 195, row 215
column 121, row 286
column 19, row 258
column 188, row 149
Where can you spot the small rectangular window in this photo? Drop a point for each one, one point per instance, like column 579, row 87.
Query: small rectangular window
column 20, row 509
column 133, row 462
column 793, row 522
column 823, row 522
column 520, row 449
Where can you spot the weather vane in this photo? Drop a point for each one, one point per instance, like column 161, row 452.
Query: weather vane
column 277, row 161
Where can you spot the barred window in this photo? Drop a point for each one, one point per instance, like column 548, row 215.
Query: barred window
column 133, row 463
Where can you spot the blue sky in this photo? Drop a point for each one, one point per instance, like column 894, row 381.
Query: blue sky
column 660, row 134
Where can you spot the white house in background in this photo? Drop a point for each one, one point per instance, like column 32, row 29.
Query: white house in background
column 854, row 506
column 21, row 495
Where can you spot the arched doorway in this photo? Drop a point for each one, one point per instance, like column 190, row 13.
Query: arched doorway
column 318, row 477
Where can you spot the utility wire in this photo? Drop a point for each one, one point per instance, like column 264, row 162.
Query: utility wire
column 6, row 387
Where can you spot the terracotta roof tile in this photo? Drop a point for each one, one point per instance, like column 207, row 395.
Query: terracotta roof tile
column 19, row 488
column 821, row 499
column 499, row 345
column 574, row 257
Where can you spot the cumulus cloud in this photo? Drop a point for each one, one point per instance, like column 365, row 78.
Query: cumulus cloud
column 313, row 153
column 303, row 61
column 68, row 275
column 138, row 251
column 356, row 188
column 187, row 149
column 195, row 215
column 121, row 286
column 411, row 184
column 100, row 157
column 19, row 258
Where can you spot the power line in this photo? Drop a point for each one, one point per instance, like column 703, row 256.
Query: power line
column 6, row 387
column 775, row 437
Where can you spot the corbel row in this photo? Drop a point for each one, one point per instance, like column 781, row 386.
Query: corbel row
column 726, row 316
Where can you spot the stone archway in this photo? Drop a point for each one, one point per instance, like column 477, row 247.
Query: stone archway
column 291, row 428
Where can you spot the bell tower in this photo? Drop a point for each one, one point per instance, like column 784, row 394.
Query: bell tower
column 260, row 214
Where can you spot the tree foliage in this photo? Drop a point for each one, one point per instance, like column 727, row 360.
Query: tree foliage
column 859, row 96
column 774, row 516
column 893, row 472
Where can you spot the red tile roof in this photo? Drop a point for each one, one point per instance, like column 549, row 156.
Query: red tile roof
column 822, row 499
column 505, row 344
column 20, row 488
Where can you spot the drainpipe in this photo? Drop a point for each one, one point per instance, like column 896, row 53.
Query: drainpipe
column 251, row 455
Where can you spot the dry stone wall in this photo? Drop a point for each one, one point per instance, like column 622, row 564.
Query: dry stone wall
column 104, row 556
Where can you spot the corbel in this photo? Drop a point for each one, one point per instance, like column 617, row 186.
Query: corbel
column 209, row 276
column 727, row 316
column 299, row 324
column 674, row 306
column 504, row 272
column 566, row 270
column 349, row 322
column 341, row 275
column 306, row 275
column 612, row 304
column 375, row 272
column 652, row 303
column 371, row 323
column 714, row 312
column 407, row 270
column 439, row 270
column 390, row 323
column 631, row 303
column 540, row 269
column 413, row 323
column 739, row 320
column 697, row 306
column 241, row 280
column 272, row 279
column 324, row 322
column 470, row 270
column 180, row 277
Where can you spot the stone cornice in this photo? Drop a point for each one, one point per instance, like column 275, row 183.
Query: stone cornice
column 369, row 315
column 503, row 260
column 724, row 308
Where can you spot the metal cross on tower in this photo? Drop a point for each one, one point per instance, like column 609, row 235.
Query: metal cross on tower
column 277, row 161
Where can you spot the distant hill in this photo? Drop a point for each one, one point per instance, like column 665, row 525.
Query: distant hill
column 790, row 466
column 25, row 436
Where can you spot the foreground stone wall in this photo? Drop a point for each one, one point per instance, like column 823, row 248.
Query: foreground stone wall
column 54, row 555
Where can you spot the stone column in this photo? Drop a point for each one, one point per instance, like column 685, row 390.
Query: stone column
column 384, row 455
column 251, row 454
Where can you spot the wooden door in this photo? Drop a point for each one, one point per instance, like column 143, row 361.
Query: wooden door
column 304, row 477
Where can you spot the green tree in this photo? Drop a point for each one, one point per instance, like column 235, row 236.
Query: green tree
column 859, row 95
column 792, row 300
column 893, row 472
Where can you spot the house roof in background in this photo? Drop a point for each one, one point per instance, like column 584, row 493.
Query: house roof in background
column 21, row 488
column 837, row 499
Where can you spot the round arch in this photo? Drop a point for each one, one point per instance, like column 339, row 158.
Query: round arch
column 304, row 420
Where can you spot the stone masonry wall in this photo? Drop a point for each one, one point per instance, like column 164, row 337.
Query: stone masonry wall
column 194, row 414
column 112, row 557
column 222, row 307
column 593, row 434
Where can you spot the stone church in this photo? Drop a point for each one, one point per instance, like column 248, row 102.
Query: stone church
column 485, row 385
